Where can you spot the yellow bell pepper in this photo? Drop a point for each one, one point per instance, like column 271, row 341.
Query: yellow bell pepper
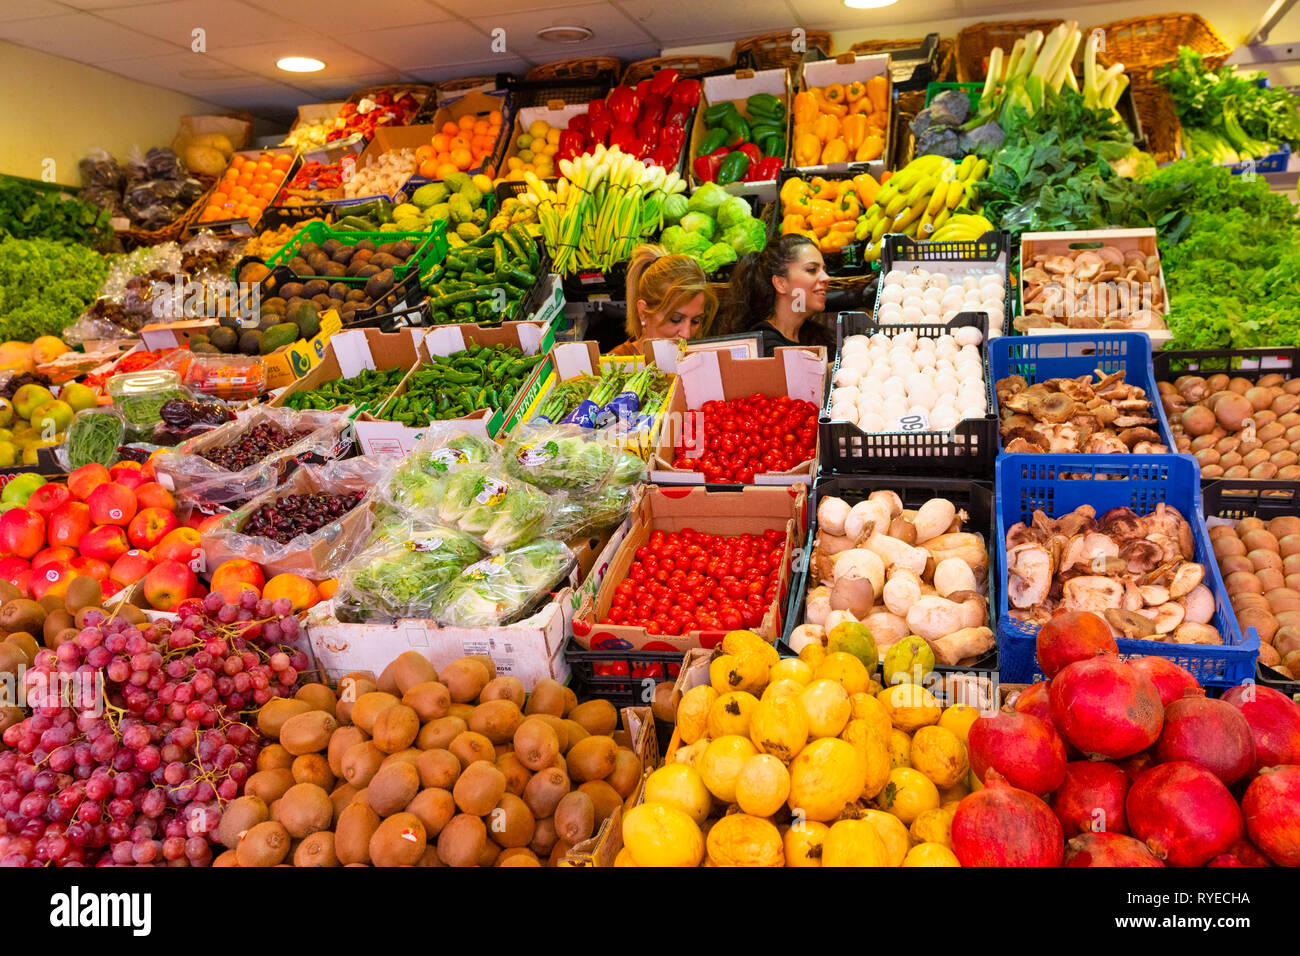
column 807, row 149
column 793, row 222
column 834, row 93
column 866, row 187
column 878, row 92
column 819, row 186
column 792, row 190
column 870, row 149
column 854, row 131
column 848, row 208
column 834, row 241
column 855, row 91
column 799, row 205
column 862, row 106
column 836, row 151
column 829, row 106
column 821, row 220
column 805, row 108
column 827, row 127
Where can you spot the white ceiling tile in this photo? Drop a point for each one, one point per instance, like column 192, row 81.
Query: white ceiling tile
column 422, row 47
column 492, row 8
column 263, row 99
column 692, row 21
column 26, row 9
column 226, row 23
column 260, row 58
column 378, row 13
column 101, row 4
column 329, row 88
column 609, row 25
column 500, row 64
column 83, row 37
column 193, row 73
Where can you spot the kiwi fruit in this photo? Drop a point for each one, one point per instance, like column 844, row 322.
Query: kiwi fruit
column 396, row 728
column 479, row 787
column 603, row 797
column 439, row 733
column 26, row 643
column 340, row 741
column 463, row 711
column 319, row 696
column 369, row 707
column 266, row 844
column 25, row 615
column 434, row 806
column 517, row 775
column 351, row 689
column 465, row 678
column 386, row 681
column 438, row 768
column 497, row 720
column 626, row 773
column 51, row 602
column 575, row 817
column 241, row 815
column 410, row 755
column 84, row 591
column 570, row 699
column 270, row 785
column 503, row 688
column 361, row 762
column 429, row 699
column 357, row 824
column 399, row 841
column 392, row 788
column 131, row 614
column 341, row 796
column 430, row 857
column 306, row 808
column 462, row 841
column 276, row 712
column 517, row 856
column 411, row 668
column 229, row 858
column 511, row 823
column 470, row 746
column 536, row 743
column 544, row 791
column 547, row 698
column 544, row 836
column 591, row 758
column 559, row 852
column 489, row 855
column 316, row 850
column 65, row 635
column 662, row 706
column 573, row 732
column 307, row 733
column 8, row 592
column 598, row 717
column 313, row 768
column 274, row 757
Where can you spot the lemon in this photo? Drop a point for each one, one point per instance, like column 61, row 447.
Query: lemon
column 538, row 129
column 958, row 719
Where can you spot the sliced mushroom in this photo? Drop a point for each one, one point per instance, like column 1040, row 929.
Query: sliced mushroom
column 1132, row 596
column 1191, row 633
column 1131, row 436
column 1087, row 265
column 1167, row 617
column 1153, row 595
column 1029, row 567
column 1188, row 576
column 1130, row 624
column 1198, row 605
column 1141, row 556
column 1169, row 549
column 1104, row 443
column 1091, row 593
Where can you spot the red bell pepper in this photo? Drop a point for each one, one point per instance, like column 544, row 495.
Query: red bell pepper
column 664, row 156
column 643, row 89
column 753, row 152
column 572, row 143
column 706, row 167
column 661, row 84
column 647, row 128
column 677, row 115
column 654, row 107
column 624, row 104
column 579, row 122
column 643, row 148
column 767, row 169
column 686, row 92
column 598, row 132
column 598, row 110
column 623, row 135
column 673, row 137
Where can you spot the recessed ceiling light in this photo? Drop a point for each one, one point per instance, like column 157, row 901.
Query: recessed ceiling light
column 565, row 34
column 869, row 4
column 300, row 64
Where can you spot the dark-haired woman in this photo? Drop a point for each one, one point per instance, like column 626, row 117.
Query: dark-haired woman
column 779, row 292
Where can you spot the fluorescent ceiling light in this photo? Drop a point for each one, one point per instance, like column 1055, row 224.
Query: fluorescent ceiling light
column 300, row 64
column 869, row 4
column 565, row 34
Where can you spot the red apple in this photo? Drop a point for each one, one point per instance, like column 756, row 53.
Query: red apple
column 150, row 526
column 153, row 495
column 181, row 544
column 48, row 499
column 52, row 579
column 128, row 474
column 68, row 524
column 131, row 567
column 237, row 575
column 112, row 504
column 11, row 568
column 22, row 532
column 169, row 583
column 46, row 555
column 91, row 568
column 147, row 469
column 210, row 524
column 108, row 587
column 107, row 542
column 86, row 479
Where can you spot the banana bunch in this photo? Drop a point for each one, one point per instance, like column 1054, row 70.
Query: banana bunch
column 921, row 199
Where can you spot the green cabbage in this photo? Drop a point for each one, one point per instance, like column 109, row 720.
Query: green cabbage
column 707, row 199
column 674, row 208
column 700, row 223
column 716, row 256
column 733, row 211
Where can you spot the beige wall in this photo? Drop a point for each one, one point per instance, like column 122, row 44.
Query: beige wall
column 59, row 109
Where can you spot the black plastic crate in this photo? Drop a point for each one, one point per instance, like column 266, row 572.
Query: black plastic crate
column 624, row 678
column 1236, row 499
column 849, row 261
column 525, row 93
column 991, row 249
column 970, row 448
column 912, row 67
column 976, row 498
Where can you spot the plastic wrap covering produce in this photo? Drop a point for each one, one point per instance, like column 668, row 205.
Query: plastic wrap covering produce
column 248, row 457
column 417, row 486
column 495, row 508
column 93, row 437
column 497, row 589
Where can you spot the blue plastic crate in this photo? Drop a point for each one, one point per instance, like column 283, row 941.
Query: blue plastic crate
column 1140, row 482
column 1038, row 358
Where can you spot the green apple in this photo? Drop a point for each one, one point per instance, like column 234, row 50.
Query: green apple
column 20, row 488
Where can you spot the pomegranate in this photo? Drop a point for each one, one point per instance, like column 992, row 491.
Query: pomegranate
column 1108, row 849
column 1171, row 680
column 1033, row 701
column 1091, row 798
column 1105, row 708
column 1002, row 825
column 1272, row 808
column 1183, row 813
column 1275, row 721
column 1241, row 853
column 1072, row 636
column 1023, row 749
column 1209, row 733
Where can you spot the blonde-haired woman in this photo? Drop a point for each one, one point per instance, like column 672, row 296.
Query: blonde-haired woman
column 667, row 297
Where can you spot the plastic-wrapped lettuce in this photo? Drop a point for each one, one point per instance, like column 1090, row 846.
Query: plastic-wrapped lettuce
column 497, row 509
column 591, row 513
column 419, row 483
column 569, row 458
column 495, row 590
column 402, row 572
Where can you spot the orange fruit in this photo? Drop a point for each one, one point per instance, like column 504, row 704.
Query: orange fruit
column 423, row 152
column 236, row 161
column 495, row 117
column 282, row 161
column 440, row 142
column 450, row 128
column 217, row 199
column 462, row 159
column 268, row 191
column 301, row 592
column 467, row 121
column 480, row 128
column 429, row 168
column 445, row 168
column 327, row 587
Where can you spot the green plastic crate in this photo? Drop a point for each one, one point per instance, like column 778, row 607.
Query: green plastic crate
column 973, row 90
column 431, row 248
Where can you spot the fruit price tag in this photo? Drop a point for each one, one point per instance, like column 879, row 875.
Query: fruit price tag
column 918, row 422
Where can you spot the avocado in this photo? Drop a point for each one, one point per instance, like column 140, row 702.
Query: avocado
column 314, row 288
column 307, row 318
column 225, row 339
column 278, row 336
column 276, row 303
column 250, row 343
column 334, row 270
column 227, row 322
column 365, row 244
column 205, row 348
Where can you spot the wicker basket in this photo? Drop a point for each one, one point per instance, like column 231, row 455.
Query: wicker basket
column 1155, row 109
column 773, row 50
column 1144, row 43
column 134, row 238
column 462, row 84
column 976, row 42
column 684, row 65
column 582, row 68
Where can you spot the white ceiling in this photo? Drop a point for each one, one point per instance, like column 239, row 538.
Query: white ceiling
column 150, row 41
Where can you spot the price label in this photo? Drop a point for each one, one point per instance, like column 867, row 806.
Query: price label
column 918, row 422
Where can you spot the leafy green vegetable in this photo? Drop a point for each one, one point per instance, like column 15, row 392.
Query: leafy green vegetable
column 569, row 458
column 707, row 199
column 501, row 511
column 45, row 286
column 716, row 256
column 403, row 572
column 746, row 236
column 698, row 222
column 29, row 211
column 496, row 589
column 418, row 484
column 591, row 512
column 732, row 211
column 1230, row 106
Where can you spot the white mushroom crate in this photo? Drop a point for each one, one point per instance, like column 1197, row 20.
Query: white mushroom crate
column 1117, row 534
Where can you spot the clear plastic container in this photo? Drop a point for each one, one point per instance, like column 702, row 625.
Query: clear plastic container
column 138, row 396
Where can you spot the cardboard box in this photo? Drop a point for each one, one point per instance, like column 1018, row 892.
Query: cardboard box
column 846, row 68
column 246, row 227
column 379, row 437
column 479, row 103
column 310, row 114
column 234, row 129
column 350, row 353
column 718, row 376
column 174, row 335
column 753, row 510
column 736, row 88
column 388, row 138
column 555, row 113
column 290, row 362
